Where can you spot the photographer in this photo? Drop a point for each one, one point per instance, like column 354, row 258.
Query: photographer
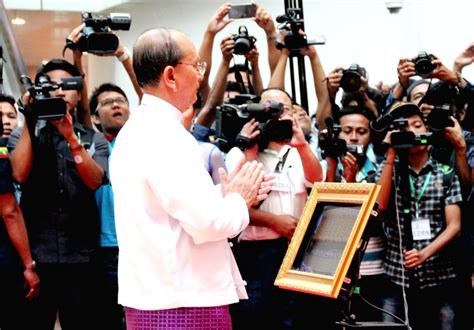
column 19, row 281
column 122, row 54
column 361, row 95
column 263, row 244
column 218, row 22
column 433, row 68
column 358, row 164
column 65, row 162
column 226, row 75
column 427, row 225
column 278, row 80
column 9, row 115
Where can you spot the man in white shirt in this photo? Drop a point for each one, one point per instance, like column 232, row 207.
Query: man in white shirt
column 263, row 244
column 176, row 268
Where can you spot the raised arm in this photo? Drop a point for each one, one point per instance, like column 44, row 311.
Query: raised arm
column 216, row 96
column 84, row 114
column 455, row 136
column 278, row 77
column 123, row 55
column 333, row 83
column 216, row 24
column 464, row 59
column 319, row 78
column 265, row 21
column 256, row 77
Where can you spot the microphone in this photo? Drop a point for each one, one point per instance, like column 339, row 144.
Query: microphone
column 269, row 106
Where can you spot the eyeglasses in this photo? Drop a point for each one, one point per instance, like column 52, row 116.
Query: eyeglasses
column 107, row 103
column 200, row 66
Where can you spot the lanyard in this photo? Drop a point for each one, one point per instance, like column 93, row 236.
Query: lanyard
column 422, row 191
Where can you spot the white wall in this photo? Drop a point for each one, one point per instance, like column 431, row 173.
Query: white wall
column 356, row 32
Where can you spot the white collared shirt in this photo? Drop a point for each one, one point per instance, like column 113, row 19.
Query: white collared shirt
column 289, row 192
column 172, row 222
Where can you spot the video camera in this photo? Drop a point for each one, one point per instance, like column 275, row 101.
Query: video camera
column 351, row 78
column 243, row 42
column 232, row 117
column 97, row 38
column 44, row 105
column 423, row 66
column 293, row 23
column 332, row 146
column 403, row 138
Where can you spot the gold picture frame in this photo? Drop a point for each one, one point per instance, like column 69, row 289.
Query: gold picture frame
column 326, row 238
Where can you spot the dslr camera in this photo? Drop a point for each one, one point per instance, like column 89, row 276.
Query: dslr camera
column 351, row 78
column 332, row 146
column 440, row 117
column 232, row 117
column 423, row 66
column 96, row 38
column 243, row 42
column 44, row 105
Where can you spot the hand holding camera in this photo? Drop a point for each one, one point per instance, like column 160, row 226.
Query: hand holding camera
column 405, row 69
column 455, row 135
column 354, row 79
column 96, row 36
column 227, row 48
column 350, row 165
column 243, row 42
column 265, row 21
column 252, row 56
column 424, row 64
column 42, row 104
column 334, row 81
column 219, row 20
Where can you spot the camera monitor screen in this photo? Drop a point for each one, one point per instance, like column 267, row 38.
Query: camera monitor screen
column 326, row 238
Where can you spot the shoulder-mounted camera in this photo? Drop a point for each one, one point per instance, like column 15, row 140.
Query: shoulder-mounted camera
column 96, row 38
column 231, row 118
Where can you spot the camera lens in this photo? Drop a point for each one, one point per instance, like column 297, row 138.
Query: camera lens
column 423, row 67
column 242, row 46
column 350, row 81
column 439, row 118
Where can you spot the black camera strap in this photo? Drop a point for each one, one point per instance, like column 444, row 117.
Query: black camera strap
column 69, row 44
column 278, row 168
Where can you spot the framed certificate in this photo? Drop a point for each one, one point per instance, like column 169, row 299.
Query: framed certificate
column 328, row 235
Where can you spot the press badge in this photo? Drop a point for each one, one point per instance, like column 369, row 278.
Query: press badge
column 281, row 182
column 421, row 229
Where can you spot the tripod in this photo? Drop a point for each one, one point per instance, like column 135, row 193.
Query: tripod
column 293, row 21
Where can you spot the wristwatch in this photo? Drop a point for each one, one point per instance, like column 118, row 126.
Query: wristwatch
column 31, row 265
